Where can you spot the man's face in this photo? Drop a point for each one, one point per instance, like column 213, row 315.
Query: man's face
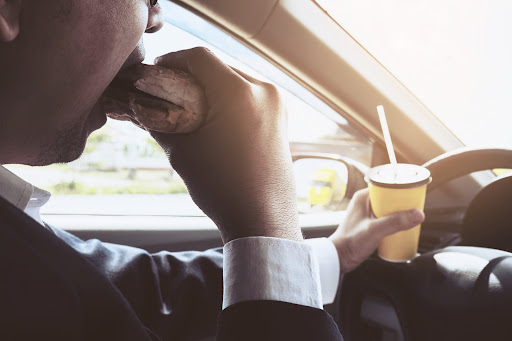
column 53, row 73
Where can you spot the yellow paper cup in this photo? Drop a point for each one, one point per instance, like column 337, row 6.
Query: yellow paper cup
column 395, row 188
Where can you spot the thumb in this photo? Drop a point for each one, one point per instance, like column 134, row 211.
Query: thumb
column 397, row 222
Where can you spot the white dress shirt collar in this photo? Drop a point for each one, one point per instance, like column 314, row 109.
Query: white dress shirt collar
column 22, row 194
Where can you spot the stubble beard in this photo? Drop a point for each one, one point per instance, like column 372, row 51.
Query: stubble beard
column 66, row 145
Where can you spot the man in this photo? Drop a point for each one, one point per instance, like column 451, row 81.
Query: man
column 56, row 59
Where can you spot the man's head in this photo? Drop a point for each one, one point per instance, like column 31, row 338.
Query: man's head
column 56, row 59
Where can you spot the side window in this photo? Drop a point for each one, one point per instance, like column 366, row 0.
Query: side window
column 123, row 167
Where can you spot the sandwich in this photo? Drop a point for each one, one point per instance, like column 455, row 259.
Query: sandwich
column 157, row 99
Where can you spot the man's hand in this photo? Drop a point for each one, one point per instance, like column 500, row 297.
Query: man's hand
column 237, row 166
column 361, row 232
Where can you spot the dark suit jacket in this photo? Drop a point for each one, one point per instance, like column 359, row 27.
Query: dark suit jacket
column 54, row 286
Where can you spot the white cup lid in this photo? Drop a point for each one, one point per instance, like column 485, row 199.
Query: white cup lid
column 401, row 175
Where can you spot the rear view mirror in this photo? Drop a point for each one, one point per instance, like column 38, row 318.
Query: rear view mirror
column 325, row 182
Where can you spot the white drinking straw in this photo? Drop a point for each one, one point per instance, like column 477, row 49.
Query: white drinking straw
column 387, row 136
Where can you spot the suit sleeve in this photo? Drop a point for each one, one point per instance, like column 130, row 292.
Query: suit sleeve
column 275, row 321
column 178, row 296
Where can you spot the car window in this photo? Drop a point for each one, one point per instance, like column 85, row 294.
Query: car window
column 124, row 172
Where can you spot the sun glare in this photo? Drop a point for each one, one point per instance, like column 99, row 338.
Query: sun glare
column 453, row 55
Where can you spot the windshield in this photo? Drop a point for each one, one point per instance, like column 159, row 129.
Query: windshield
column 455, row 56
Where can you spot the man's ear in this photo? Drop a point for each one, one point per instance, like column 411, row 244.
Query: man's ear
column 10, row 17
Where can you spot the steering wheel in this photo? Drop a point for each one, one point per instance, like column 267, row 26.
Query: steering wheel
column 464, row 161
column 454, row 293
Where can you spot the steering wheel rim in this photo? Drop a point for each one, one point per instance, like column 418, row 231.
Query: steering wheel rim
column 463, row 161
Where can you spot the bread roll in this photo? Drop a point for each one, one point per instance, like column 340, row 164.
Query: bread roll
column 156, row 98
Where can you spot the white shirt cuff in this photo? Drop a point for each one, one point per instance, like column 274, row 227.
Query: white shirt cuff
column 329, row 265
column 265, row 268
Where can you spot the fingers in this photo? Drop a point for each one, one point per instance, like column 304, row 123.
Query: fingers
column 396, row 222
column 389, row 224
column 246, row 76
column 360, row 203
column 203, row 65
column 361, row 196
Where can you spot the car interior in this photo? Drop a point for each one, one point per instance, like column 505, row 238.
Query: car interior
column 461, row 281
